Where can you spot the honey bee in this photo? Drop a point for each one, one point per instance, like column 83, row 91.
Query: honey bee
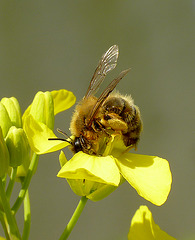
column 110, row 113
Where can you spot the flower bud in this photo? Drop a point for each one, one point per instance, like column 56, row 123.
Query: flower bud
column 42, row 108
column 4, row 156
column 5, row 122
column 13, row 108
column 18, row 146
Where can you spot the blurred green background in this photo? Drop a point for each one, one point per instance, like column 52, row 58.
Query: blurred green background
column 48, row 45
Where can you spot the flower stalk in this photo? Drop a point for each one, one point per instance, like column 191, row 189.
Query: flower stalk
column 26, row 182
column 11, row 221
column 11, row 182
column 74, row 218
column 4, row 226
column 27, row 217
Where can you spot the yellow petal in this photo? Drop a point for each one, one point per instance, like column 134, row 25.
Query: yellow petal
column 93, row 168
column 63, row 100
column 26, row 113
column 143, row 227
column 62, row 159
column 149, row 175
column 38, row 134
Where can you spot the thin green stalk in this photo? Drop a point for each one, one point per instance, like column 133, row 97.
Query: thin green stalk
column 11, row 221
column 11, row 182
column 74, row 218
column 3, row 224
column 27, row 217
column 26, row 183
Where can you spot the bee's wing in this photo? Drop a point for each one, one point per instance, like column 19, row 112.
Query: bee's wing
column 104, row 95
column 107, row 63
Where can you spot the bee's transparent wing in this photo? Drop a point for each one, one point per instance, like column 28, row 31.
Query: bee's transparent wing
column 104, row 95
column 107, row 63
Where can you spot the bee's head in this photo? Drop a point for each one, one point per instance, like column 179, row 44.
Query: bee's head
column 81, row 144
column 77, row 144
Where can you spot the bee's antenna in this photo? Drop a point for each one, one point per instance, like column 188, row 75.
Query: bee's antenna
column 65, row 134
column 62, row 139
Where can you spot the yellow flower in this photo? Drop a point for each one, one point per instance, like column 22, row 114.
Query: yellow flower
column 143, row 227
column 36, row 125
column 90, row 174
column 149, row 175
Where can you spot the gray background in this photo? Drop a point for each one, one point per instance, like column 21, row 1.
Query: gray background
column 47, row 45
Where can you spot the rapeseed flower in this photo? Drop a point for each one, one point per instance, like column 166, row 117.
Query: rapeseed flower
column 89, row 174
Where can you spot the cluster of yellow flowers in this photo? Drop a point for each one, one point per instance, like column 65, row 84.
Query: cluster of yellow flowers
column 91, row 176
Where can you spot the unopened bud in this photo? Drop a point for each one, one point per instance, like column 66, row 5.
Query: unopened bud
column 5, row 122
column 13, row 108
column 18, row 147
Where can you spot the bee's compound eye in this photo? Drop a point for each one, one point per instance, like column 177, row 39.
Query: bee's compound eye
column 77, row 144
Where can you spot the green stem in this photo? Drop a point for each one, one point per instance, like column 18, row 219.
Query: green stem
column 74, row 218
column 27, row 217
column 11, row 182
column 11, row 221
column 3, row 223
column 26, row 183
